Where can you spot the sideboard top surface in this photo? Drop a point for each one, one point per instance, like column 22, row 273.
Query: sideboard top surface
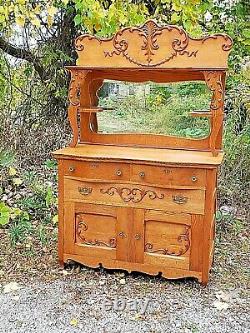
column 173, row 156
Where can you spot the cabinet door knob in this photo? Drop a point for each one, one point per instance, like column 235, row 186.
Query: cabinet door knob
column 118, row 172
column 142, row 174
column 137, row 236
column 122, row 234
column 194, row 179
column 71, row 168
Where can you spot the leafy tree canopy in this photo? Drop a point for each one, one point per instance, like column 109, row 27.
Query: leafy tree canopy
column 42, row 32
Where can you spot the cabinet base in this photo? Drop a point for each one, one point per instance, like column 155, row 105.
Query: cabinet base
column 166, row 272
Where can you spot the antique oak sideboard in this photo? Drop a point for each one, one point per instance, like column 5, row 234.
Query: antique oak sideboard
column 141, row 202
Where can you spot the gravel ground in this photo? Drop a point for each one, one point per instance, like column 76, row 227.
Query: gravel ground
column 86, row 302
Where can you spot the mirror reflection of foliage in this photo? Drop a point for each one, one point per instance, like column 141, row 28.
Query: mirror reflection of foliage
column 158, row 109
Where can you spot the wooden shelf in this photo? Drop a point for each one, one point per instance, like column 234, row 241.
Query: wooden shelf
column 93, row 109
column 201, row 113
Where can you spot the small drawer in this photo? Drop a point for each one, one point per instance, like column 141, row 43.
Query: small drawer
column 96, row 170
column 163, row 175
column 134, row 195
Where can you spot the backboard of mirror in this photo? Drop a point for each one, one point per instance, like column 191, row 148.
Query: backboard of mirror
column 149, row 53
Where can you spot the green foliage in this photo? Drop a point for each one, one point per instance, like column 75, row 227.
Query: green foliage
column 20, row 229
column 4, row 214
column 235, row 172
column 7, row 158
column 23, row 199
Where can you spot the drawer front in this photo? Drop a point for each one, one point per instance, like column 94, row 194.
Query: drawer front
column 168, row 175
column 96, row 170
column 134, row 195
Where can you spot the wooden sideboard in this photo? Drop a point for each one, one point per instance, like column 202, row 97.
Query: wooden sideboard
column 141, row 202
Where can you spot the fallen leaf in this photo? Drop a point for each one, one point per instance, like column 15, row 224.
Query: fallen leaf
column 74, row 322
column 220, row 305
column 17, row 181
column 222, row 296
column 122, row 281
column 55, row 219
column 12, row 171
column 12, row 286
column 137, row 316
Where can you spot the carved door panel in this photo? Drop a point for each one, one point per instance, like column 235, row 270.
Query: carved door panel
column 90, row 230
column 167, row 238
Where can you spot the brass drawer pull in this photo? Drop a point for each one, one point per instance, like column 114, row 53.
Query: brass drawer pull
column 142, row 174
column 71, row 168
column 122, row 234
column 194, row 179
column 137, row 236
column 179, row 199
column 85, row 190
column 118, row 172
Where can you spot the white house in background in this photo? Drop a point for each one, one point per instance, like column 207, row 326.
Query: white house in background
column 121, row 89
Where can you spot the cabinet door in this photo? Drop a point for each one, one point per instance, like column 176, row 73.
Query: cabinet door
column 115, row 233
column 167, row 239
column 90, row 230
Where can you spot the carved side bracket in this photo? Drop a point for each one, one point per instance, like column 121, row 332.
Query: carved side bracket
column 77, row 78
column 214, row 81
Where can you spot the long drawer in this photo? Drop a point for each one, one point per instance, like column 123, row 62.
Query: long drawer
column 173, row 176
column 134, row 195
column 96, row 170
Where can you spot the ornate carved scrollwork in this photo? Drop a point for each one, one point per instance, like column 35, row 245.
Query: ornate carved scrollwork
column 226, row 46
column 157, row 45
column 149, row 33
column 134, row 195
column 82, row 227
column 75, row 86
column 214, row 82
column 184, row 241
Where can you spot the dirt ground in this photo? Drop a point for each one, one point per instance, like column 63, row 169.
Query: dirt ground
column 36, row 295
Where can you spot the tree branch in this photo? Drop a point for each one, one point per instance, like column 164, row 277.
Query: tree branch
column 21, row 53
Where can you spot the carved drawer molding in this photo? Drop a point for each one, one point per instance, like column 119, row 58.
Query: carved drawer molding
column 132, row 194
